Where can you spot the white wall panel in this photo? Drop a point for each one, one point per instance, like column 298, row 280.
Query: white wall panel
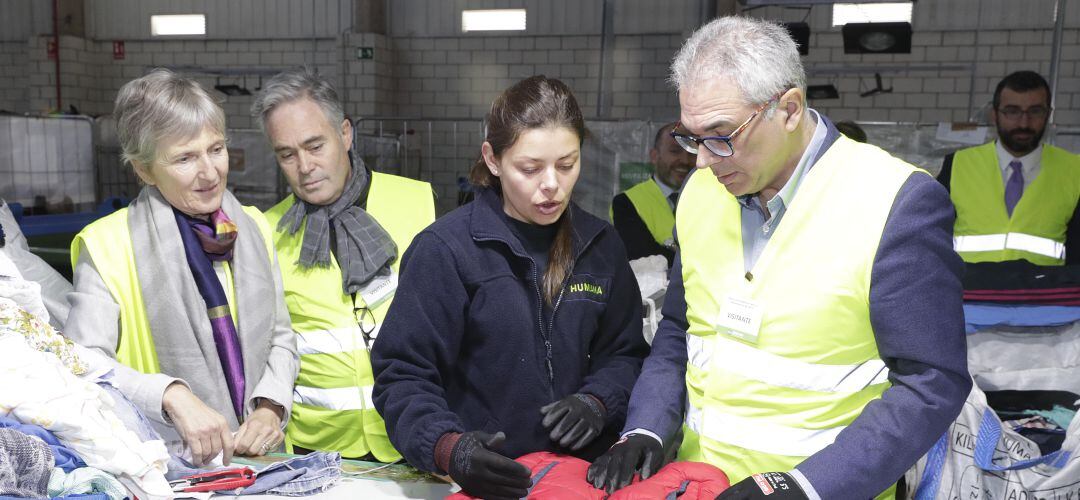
column 225, row 19
column 422, row 18
column 948, row 15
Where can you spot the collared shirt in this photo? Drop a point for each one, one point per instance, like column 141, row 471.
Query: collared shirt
column 1031, row 163
column 667, row 190
column 759, row 226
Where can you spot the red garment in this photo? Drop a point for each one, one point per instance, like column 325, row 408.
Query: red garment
column 564, row 479
column 695, row 480
column 1067, row 296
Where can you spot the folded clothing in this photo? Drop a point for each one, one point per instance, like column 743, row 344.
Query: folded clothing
column 25, row 465
column 86, row 480
column 979, row 316
column 39, row 388
column 1043, row 296
column 558, row 477
column 63, row 457
column 297, row 477
column 1018, row 274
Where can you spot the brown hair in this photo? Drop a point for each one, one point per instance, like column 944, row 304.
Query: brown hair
column 535, row 102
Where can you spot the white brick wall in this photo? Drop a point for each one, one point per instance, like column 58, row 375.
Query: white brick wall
column 457, row 77
column 14, row 84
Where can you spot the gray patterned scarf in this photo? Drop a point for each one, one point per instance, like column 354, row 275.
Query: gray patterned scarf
column 363, row 247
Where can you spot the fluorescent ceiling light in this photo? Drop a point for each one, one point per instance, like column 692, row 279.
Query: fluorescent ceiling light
column 170, row 25
column 844, row 13
column 493, row 20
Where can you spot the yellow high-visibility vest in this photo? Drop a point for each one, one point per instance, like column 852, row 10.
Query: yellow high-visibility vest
column 332, row 407
column 984, row 231
column 653, row 208
column 766, row 404
column 108, row 240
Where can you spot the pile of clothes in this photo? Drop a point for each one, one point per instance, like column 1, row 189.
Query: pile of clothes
column 60, row 434
column 1019, row 293
column 1025, row 351
column 66, row 432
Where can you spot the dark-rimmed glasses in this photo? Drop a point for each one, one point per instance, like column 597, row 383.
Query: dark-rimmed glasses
column 719, row 145
column 1014, row 113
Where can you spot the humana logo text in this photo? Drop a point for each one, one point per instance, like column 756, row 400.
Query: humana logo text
column 587, row 288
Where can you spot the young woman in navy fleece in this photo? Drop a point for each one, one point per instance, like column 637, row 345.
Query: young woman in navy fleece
column 516, row 325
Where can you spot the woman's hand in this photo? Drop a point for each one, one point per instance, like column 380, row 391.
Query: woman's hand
column 261, row 431
column 203, row 430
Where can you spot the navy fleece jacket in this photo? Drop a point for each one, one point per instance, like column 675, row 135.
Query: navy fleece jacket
column 463, row 347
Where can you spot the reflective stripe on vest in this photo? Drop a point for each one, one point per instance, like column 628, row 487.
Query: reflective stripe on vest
column 332, row 341
column 1010, row 241
column 335, row 376
column 340, row 398
column 766, row 405
column 721, row 353
column 985, row 232
column 753, row 434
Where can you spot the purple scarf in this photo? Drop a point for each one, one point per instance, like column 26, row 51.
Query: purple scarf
column 204, row 244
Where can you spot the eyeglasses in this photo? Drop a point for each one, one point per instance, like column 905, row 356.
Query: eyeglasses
column 719, row 145
column 365, row 320
column 1034, row 112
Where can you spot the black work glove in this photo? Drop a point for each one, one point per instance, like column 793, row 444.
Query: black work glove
column 615, row 469
column 483, row 473
column 765, row 486
column 574, row 420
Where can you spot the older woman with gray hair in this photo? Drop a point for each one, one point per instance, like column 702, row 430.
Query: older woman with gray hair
column 182, row 288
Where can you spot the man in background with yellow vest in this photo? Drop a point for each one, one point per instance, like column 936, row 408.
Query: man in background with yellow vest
column 338, row 238
column 1016, row 198
column 813, row 328
column 644, row 215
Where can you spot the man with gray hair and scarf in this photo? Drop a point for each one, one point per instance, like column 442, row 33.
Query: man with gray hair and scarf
column 338, row 236
column 813, row 324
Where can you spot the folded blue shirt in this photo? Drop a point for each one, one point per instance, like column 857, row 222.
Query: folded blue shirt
column 979, row 316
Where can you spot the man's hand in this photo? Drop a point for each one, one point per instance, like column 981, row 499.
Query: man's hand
column 574, row 421
column 615, row 469
column 484, row 473
column 203, row 430
column 261, row 430
column 765, row 486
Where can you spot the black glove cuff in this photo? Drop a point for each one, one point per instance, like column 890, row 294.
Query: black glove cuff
column 461, row 456
column 593, row 404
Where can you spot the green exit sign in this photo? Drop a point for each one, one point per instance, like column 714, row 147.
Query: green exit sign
column 365, row 53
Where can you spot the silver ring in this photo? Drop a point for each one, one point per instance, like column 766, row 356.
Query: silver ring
column 266, row 447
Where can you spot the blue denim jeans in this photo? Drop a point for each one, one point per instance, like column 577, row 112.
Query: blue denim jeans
column 299, row 476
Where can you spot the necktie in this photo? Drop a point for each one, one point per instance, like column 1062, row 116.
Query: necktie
column 673, row 200
column 1014, row 188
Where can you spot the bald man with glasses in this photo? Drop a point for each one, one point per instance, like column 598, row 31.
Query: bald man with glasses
column 1016, row 197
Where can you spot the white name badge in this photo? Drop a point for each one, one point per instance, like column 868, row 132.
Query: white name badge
column 379, row 289
column 740, row 318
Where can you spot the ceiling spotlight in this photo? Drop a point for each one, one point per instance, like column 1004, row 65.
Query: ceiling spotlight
column 232, row 90
column 800, row 33
column 827, row 91
column 877, row 38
